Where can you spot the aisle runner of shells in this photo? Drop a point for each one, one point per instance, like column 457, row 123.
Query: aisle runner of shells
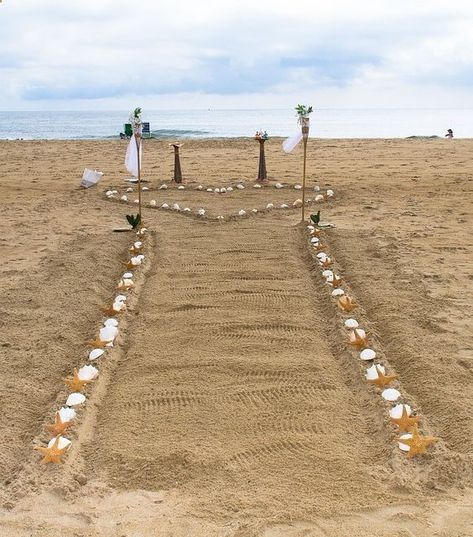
column 401, row 414
column 65, row 417
column 201, row 211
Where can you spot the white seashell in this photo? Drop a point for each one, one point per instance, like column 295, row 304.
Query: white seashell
column 338, row 292
column 311, row 228
column 404, row 447
column 390, row 394
column 351, row 323
column 257, row 186
column 187, row 210
column 163, row 187
column 229, row 189
column 321, row 255
column 124, row 198
column 96, row 353
column 164, row 206
column 141, row 258
column 62, row 443
column 317, row 188
column 109, row 193
column 87, row 372
column 181, row 187
column 114, row 191
column 201, row 212
column 209, row 190
column 135, row 261
column 240, row 187
column 367, row 354
column 241, row 212
column 330, row 193
column 67, row 414
column 136, row 201
column 254, row 210
column 314, row 240
column 145, row 188
column 176, row 207
column 142, row 231
column 298, row 187
column 153, row 203
column 110, row 322
column 284, row 206
column 319, row 197
column 75, row 398
column 396, row 411
column 220, row 217
column 138, row 244
column 297, row 203
column 308, row 200
column 270, row 206
column 327, row 274
column 372, row 372
column 223, row 190
column 129, row 189
column 279, row 185
column 127, row 275
column 108, row 333
column 217, row 190
column 200, row 187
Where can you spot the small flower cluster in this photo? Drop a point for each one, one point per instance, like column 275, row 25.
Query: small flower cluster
column 261, row 135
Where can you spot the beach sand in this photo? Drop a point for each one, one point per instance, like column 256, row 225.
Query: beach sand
column 231, row 405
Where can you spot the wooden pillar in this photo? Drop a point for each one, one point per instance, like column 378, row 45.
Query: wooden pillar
column 177, row 164
column 262, row 175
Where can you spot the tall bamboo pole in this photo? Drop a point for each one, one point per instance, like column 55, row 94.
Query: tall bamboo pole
column 138, row 149
column 305, row 137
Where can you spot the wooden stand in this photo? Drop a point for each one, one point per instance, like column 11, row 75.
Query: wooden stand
column 262, row 175
column 177, row 164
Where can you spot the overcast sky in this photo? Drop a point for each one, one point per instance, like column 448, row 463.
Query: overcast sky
column 106, row 54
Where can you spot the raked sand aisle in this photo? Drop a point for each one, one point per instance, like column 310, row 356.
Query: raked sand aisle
column 229, row 390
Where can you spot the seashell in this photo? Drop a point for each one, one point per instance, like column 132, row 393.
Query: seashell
column 396, row 411
column 372, row 372
column 110, row 322
column 351, row 323
column 311, row 228
column 87, row 372
column 327, row 273
column 200, row 187
column 145, row 188
column 135, row 261
column 201, row 212
column 223, row 190
column 338, row 292
column 335, row 280
column 137, row 245
column 153, row 203
column 108, row 333
column 308, row 200
column 136, row 201
column 298, row 187
column 220, row 217
column 95, row 353
column 164, row 206
column 346, row 303
column 330, row 193
column 209, row 190
column 63, row 443
column 319, row 197
column 321, row 255
column 229, row 189
column 358, row 338
column 367, row 354
column 240, row 186
column 241, row 212
column 284, row 206
column 314, row 240
column 66, row 414
column 404, row 447
column 142, row 231
column 270, row 206
column 326, row 262
column 278, row 185
column 124, row 198
column 390, row 394
column 129, row 189
column 127, row 275
column 181, row 187
column 126, row 284
column 109, row 193
column 317, row 188
column 176, row 207
column 163, row 187
column 120, row 298
column 187, row 210
column 75, row 398
column 254, row 210
column 217, row 190
column 257, row 186
column 297, row 203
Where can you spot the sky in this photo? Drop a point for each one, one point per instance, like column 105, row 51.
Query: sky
column 191, row 54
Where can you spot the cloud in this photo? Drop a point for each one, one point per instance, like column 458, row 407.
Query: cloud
column 97, row 50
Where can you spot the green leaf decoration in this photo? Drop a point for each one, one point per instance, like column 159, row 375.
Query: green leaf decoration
column 315, row 218
column 134, row 220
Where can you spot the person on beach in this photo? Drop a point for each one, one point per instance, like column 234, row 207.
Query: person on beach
column 449, row 134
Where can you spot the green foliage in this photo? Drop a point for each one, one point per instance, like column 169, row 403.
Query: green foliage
column 137, row 112
column 315, row 218
column 303, row 110
column 134, row 220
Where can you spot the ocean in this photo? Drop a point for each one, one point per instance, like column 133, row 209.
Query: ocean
column 325, row 123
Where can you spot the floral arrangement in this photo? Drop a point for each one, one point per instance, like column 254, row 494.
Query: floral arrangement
column 135, row 120
column 260, row 135
column 303, row 112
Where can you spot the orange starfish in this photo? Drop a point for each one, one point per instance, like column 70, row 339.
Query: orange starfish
column 406, row 422
column 97, row 343
column 326, row 262
column 59, row 426
column 360, row 342
column 315, row 233
column 110, row 312
column 53, row 453
column 76, row 384
column 418, row 443
column 335, row 281
column 382, row 380
column 319, row 247
column 129, row 265
column 135, row 250
column 346, row 303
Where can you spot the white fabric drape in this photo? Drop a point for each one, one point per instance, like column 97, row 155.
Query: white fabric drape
column 131, row 158
column 289, row 144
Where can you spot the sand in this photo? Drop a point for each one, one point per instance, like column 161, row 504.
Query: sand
column 231, row 405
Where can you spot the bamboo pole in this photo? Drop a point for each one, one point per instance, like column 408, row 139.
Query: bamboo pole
column 138, row 149
column 305, row 137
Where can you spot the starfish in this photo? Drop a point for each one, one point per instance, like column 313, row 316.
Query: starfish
column 326, row 262
column 335, row 281
column 315, row 233
column 134, row 250
column 418, row 443
column 53, row 453
column 97, row 343
column 125, row 287
column 110, row 312
column 406, row 422
column 76, row 384
column 346, row 303
column 320, row 247
column 382, row 380
column 360, row 342
column 59, row 426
